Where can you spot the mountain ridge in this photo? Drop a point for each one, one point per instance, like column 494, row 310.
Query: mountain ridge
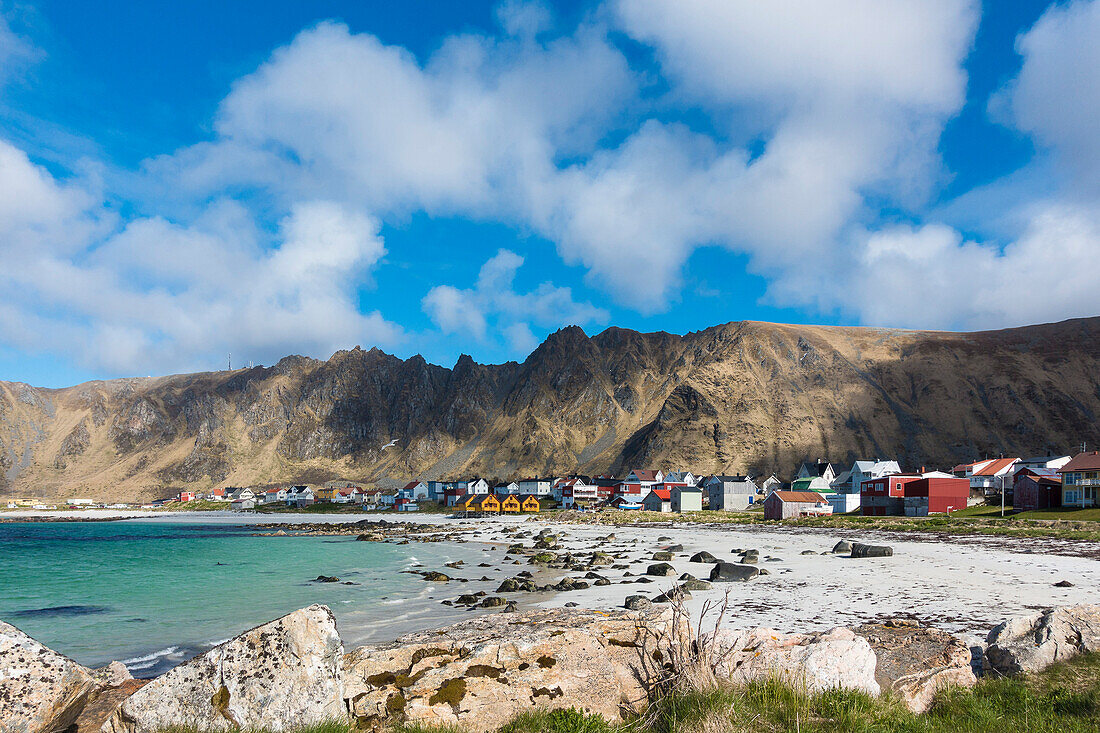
column 744, row 395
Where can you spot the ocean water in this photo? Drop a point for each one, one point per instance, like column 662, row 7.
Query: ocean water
column 153, row 594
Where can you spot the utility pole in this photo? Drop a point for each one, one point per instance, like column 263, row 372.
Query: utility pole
column 230, row 361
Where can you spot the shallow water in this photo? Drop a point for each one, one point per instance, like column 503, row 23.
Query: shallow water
column 153, row 594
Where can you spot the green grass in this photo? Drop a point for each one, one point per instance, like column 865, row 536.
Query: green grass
column 1065, row 698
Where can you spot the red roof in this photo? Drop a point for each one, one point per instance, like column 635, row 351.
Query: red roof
column 644, row 475
column 799, row 496
column 995, row 467
column 1083, row 462
column 411, row 485
column 664, row 494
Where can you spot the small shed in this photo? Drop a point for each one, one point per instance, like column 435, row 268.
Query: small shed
column 687, row 499
column 794, row 504
column 658, row 500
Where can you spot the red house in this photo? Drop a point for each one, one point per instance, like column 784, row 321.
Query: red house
column 913, row 495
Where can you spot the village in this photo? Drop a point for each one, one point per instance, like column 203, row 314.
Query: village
column 867, row 487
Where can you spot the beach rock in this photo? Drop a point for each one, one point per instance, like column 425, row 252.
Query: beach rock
column 41, row 691
column 103, row 704
column 493, row 602
column 1063, row 584
column 480, row 674
column 282, row 675
column 435, row 576
column 695, row 584
column 861, row 550
column 674, row 548
column 326, row 579
column 917, row 662
column 842, row 547
column 660, row 570
column 728, row 572
column 114, row 673
column 812, row 662
column 664, row 556
column 637, row 603
column 703, row 557
column 1033, row 642
column 809, row 552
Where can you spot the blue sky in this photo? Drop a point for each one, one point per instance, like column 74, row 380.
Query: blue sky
column 185, row 180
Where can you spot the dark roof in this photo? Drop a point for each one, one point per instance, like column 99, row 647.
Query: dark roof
column 732, row 478
column 1089, row 461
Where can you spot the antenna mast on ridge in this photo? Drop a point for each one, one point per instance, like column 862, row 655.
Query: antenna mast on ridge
column 230, row 361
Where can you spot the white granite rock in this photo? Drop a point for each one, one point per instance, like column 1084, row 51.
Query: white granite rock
column 41, row 691
column 278, row 676
column 1034, row 642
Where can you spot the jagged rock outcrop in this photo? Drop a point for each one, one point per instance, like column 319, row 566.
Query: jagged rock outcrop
column 282, row 675
column 813, row 662
column 735, row 397
column 41, row 691
column 918, row 662
column 482, row 673
column 1031, row 643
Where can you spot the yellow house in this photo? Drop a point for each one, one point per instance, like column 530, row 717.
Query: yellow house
column 484, row 503
column 531, row 504
column 510, row 504
column 326, row 493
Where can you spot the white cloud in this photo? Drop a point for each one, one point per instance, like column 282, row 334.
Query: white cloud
column 930, row 277
column 156, row 295
column 494, row 298
column 1056, row 96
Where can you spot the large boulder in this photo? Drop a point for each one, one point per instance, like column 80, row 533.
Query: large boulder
column 704, row 557
column 917, row 662
column 480, row 674
column 728, row 572
column 861, row 550
column 1031, row 643
column 660, row 570
column 811, row 662
column 41, row 691
column 282, row 675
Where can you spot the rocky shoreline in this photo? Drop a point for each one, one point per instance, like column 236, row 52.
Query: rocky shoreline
column 482, row 673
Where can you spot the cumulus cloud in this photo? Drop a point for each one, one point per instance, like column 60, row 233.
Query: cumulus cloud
column 153, row 294
column 1056, row 96
column 495, row 299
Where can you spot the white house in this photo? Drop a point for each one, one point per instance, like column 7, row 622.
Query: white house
column 1049, row 462
column 416, row 490
column 770, row 484
column 682, row 477
column 505, row 489
column 644, row 478
column 477, row 486
column 534, row 487
column 300, row 496
column 272, row 496
column 242, row 495
column 574, row 492
column 821, row 469
column 988, row 476
column 851, row 481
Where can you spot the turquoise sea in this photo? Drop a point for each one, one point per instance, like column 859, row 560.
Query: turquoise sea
column 155, row 593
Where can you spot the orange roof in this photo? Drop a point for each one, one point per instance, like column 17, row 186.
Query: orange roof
column 664, row 494
column 996, row 466
column 799, row 496
column 1083, row 462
